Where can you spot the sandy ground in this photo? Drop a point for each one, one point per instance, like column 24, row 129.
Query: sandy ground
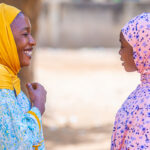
column 85, row 89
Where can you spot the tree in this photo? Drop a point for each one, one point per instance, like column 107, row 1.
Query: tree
column 32, row 9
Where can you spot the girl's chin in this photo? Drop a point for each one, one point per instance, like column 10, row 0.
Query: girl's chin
column 128, row 69
column 25, row 64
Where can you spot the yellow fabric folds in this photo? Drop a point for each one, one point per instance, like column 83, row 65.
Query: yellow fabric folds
column 34, row 114
column 9, row 60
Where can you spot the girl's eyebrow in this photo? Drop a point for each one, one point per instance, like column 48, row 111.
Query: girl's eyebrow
column 25, row 28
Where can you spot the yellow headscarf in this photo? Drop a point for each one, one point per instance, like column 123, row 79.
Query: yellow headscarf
column 9, row 60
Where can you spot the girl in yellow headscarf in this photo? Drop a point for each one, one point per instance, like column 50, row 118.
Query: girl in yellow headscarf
column 20, row 121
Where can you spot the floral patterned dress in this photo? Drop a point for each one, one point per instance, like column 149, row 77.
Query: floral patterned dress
column 20, row 124
column 132, row 124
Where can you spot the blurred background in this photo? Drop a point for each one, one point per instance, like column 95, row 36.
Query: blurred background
column 77, row 61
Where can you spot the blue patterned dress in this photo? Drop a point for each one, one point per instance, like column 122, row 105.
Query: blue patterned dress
column 20, row 124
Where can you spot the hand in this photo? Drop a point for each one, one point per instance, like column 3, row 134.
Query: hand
column 37, row 94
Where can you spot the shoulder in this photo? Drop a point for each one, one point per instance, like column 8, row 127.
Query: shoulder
column 23, row 101
column 6, row 95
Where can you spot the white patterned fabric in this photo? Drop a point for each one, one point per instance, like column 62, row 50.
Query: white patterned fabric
column 19, row 130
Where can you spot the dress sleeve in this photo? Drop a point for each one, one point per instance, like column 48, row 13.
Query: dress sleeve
column 18, row 130
column 139, row 132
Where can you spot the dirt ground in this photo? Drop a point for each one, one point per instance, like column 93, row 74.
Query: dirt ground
column 85, row 89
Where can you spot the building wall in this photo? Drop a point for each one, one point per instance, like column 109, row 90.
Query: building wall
column 74, row 25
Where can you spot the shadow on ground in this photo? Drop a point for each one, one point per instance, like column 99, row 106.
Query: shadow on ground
column 68, row 135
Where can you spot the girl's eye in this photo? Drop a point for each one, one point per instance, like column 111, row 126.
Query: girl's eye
column 25, row 34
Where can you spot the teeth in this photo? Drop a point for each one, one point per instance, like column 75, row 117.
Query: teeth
column 28, row 52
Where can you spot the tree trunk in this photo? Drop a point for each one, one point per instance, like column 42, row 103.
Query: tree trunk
column 32, row 9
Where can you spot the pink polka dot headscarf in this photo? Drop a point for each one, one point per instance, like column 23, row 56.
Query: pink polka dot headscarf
column 137, row 34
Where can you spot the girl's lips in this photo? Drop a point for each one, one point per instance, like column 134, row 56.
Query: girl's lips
column 123, row 63
column 121, row 59
column 28, row 49
column 28, row 53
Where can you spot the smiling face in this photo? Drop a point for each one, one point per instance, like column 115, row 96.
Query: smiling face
column 126, row 52
column 21, row 29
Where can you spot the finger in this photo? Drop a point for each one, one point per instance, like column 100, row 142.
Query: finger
column 29, row 88
column 35, row 85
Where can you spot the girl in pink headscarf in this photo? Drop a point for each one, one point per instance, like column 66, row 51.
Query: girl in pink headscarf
column 132, row 124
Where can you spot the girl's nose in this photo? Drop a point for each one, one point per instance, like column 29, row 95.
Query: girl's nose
column 32, row 41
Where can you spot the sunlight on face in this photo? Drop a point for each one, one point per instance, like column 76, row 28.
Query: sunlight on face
column 126, row 52
column 21, row 29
